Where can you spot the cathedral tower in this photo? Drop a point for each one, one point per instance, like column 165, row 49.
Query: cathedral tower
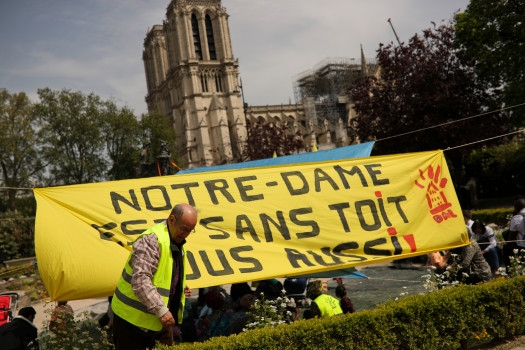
column 193, row 77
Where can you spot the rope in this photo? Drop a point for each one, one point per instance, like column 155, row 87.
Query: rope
column 391, row 279
column 387, row 138
column 487, row 139
column 16, row 188
column 515, row 241
column 457, row 121
column 14, row 270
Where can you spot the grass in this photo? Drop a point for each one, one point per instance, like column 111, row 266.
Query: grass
column 24, row 278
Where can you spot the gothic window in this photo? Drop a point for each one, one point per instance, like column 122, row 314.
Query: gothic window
column 196, row 37
column 159, row 67
column 218, row 82
column 167, row 101
column 209, row 36
column 204, row 82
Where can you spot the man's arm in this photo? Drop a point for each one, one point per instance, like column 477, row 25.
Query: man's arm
column 144, row 262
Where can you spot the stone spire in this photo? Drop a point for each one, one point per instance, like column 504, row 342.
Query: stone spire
column 364, row 66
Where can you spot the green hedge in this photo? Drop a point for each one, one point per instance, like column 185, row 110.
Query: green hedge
column 451, row 318
column 500, row 216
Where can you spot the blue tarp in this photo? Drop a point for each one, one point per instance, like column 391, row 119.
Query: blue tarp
column 350, row 272
column 360, row 150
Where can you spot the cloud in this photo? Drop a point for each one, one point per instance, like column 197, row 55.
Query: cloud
column 96, row 46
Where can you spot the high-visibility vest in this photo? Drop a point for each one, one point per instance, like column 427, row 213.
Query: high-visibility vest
column 328, row 305
column 125, row 303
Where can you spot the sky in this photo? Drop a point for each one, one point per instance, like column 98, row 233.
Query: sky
column 96, row 45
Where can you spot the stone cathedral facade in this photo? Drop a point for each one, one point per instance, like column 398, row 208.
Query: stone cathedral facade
column 193, row 77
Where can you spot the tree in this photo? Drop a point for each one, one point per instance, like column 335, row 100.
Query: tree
column 18, row 144
column 122, row 133
column 500, row 167
column 265, row 139
column 490, row 36
column 17, row 236
column 422, row 85
column 73, row 143
column 87, row 139
column 158, row 135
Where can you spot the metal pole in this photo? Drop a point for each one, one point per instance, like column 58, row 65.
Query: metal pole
column 391, row 25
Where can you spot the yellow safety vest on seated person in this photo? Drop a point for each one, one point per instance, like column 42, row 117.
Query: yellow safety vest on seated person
column 328, row 305
column 125, row 303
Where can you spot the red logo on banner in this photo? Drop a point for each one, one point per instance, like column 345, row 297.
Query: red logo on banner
column 431, row 181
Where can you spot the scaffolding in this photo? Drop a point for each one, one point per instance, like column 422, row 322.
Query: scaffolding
column 322, row 89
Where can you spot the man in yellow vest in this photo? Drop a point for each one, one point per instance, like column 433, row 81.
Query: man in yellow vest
column 149, row 299
column 322, row 305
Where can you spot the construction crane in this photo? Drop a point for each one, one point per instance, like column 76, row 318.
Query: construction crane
column 391, row 25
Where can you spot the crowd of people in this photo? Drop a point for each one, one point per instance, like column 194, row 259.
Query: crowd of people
column 483, row 259
column 218, row 313
column 149, row 303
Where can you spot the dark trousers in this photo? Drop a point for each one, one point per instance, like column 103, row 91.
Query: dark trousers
column 127, row 336
column 491, row 256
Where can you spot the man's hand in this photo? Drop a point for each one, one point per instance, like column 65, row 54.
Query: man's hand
column 167, row 320
column 187, row 292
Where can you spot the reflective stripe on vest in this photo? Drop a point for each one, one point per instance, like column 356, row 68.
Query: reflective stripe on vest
column 126, row 304
column 328, row 305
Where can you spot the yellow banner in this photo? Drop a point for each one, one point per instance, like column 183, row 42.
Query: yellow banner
column 254, row 223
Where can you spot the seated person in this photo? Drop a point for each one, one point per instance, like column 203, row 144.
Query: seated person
column 295, row 287
column 238, row 290
column 472, row 262
column 271, row 289
column 486, row 239
column 20, row 333
column 344, row 300
column 439, row 261
column 240, row 317
column 322, row 305
column 61, row 316
column 216, row 322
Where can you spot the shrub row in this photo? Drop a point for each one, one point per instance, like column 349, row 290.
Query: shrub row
column 451, row 318
column 500, row 216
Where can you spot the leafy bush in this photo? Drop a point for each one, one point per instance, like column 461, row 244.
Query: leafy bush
column 269, row 313
column 500, row 216
column 17, row 237
column 517, row 264
column 449, row 318
column 80, row 333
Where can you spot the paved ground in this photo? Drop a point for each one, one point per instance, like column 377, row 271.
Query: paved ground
column 91, row 306
column 365, row 293
column 385, row 282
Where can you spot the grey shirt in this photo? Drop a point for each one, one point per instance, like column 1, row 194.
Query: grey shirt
column 472, row 260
